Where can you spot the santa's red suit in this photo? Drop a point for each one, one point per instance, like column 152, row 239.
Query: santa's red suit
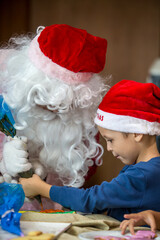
column 50, row 83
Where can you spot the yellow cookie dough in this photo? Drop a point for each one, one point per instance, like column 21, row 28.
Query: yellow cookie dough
column 34, row 233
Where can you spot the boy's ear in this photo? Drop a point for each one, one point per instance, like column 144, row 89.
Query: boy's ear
column 138, row 137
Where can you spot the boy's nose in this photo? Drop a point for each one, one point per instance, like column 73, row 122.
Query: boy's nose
column 109, row 148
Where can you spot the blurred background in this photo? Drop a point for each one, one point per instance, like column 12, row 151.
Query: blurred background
column 131, row 27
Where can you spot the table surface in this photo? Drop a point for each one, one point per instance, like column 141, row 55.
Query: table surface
column 45, row 227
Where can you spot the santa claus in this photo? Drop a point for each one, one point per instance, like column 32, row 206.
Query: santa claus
column 50, row 83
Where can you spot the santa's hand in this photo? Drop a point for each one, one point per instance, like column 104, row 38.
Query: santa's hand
column 7, row 178
column 15, row 157
column 39, row 169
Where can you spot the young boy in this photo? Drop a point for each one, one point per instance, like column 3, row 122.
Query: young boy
column 129, row 119
column 149, row 217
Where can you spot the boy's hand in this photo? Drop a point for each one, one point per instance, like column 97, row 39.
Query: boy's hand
column 35, row 186
column 31, row 185
column 138, row 219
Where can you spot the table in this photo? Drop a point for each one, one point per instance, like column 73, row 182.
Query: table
column 78, row 223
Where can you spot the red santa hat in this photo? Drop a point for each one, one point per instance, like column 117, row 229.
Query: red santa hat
column 131, row 107
column 68, row 53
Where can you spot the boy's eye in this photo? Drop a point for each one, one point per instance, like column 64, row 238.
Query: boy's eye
column 109, row 140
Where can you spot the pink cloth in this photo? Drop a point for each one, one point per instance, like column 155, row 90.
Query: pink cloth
column 47, row 203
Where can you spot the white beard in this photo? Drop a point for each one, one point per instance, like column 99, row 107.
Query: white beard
column 62, row 144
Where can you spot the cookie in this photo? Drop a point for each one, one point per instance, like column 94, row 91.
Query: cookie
column 44, row 236
column 34, row 233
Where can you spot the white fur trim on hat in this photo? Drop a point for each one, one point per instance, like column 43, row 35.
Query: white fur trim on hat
column 126, row 124
column 52, row 69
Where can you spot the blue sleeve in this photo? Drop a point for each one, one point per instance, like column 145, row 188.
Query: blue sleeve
column 126, row 190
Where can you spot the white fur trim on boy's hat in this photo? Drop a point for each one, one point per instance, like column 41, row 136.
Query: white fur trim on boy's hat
column 131, row 107
column 126, row 124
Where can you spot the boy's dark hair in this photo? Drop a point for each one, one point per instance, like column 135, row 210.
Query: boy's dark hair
column 125, row 134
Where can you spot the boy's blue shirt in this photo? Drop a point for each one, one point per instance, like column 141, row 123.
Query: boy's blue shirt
column 135, row 189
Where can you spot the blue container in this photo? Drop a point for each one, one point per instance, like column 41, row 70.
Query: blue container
column 6, row 119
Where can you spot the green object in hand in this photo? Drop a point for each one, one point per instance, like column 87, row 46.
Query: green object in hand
column 29, row 174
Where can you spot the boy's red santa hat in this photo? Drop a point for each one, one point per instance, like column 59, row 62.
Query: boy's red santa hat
column 131, row 107
column 68, row 53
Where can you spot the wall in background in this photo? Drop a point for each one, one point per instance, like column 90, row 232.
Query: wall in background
column 14, row 18
column 132, row 29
